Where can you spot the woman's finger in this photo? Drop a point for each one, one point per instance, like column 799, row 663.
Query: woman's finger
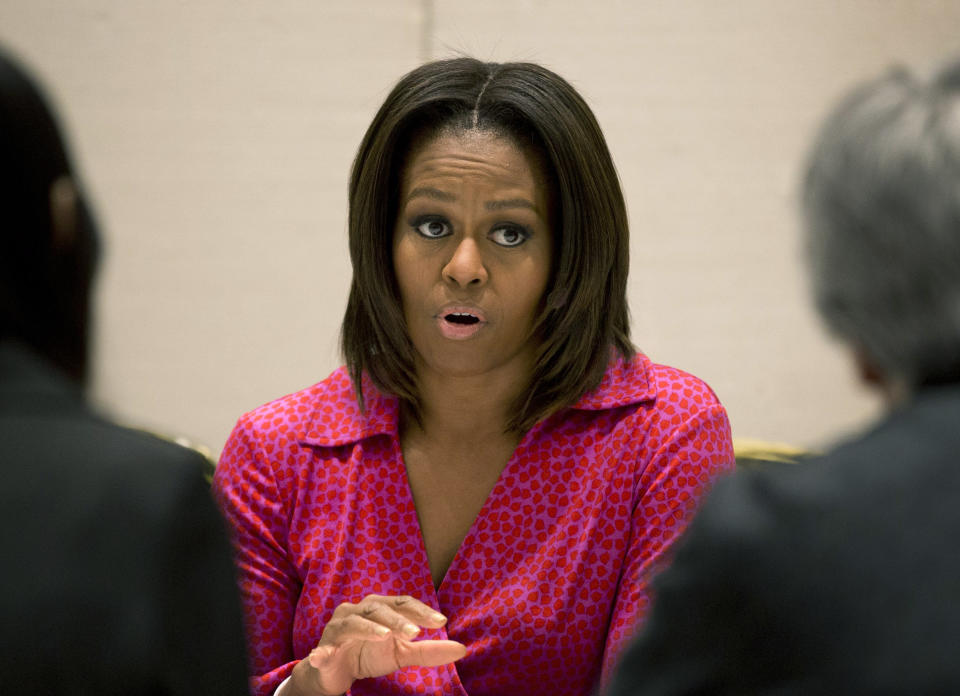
column 413, row 609
column 380, row 612
column 428, row 653
column 353, row 627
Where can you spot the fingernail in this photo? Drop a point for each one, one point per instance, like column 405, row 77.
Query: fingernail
column 381, row 630
column 437, row 616
column 411, row 630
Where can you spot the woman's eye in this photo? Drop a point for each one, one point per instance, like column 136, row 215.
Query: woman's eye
column 432, row 229
column 509, row 236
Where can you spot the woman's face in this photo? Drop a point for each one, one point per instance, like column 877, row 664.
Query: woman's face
column 472, row 252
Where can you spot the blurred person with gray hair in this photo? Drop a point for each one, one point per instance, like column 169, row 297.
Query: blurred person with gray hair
column 842, row 575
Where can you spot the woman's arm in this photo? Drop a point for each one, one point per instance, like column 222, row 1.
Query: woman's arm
column 670, row 486
column 246, row 491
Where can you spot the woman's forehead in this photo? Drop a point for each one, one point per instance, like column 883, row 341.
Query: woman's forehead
column 474, row 156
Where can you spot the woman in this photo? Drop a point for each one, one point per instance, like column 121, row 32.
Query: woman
column 476, row 503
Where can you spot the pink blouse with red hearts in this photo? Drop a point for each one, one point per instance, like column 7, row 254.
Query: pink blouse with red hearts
column 553, row 576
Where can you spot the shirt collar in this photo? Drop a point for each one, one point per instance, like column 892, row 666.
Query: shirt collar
column 337, row 418
column 624, row 383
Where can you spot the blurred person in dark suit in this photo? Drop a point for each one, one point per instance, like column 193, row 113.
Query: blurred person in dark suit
column 843, row 575
column 116, row 574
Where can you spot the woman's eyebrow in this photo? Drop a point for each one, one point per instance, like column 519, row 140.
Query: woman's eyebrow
column 430, row 192
column 509, row 203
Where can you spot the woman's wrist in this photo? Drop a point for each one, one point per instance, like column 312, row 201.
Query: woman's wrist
column 302, row 682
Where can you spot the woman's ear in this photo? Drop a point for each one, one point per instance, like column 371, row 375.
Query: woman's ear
column 63, row 213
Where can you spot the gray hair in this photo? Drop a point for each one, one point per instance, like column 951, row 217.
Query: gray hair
column 881, row 204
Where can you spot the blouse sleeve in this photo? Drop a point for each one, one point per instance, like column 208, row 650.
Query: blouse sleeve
column 246, row 490
column 670, row 486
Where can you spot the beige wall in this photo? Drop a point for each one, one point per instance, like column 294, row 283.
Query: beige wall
column 215, row 137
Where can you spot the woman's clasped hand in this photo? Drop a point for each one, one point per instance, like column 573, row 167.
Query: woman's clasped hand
column 372, row 638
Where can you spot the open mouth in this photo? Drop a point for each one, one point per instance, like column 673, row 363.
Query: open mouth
column 460, row 323
column 461, row 318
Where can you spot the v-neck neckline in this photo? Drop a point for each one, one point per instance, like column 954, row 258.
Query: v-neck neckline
column 446, row 588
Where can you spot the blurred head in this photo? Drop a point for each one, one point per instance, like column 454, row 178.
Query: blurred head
column 48, row 245
column 582, row 318
column 882, row 214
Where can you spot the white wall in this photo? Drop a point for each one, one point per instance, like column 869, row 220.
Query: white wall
column 215, row 138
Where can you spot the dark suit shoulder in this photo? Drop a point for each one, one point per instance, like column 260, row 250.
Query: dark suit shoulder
column 116, row 562
column 833, row 576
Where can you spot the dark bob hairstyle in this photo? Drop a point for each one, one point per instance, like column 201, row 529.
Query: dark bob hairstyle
column 584, row 317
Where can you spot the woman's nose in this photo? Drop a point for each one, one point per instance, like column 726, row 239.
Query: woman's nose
column 465, row 268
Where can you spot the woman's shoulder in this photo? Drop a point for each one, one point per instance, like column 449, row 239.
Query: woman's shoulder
column 639, row 380
column 681, row 408
column 293, row 414
column 676, row 385
column 335, row 389
column 325, row 413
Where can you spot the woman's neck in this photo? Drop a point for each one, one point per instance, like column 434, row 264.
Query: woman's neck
column 470, row 408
